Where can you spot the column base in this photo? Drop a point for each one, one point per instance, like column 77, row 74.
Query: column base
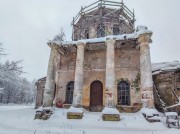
column 111, row 117
column 148, row 103
column 110, row 114
column 74, row 113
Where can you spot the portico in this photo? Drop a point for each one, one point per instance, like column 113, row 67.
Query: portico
column 106, row 66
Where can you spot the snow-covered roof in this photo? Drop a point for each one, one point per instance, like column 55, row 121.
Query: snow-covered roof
column 140, row 30
column 165, row 66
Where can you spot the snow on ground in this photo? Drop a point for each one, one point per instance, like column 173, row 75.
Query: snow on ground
column 10, row 107
column 20, row 120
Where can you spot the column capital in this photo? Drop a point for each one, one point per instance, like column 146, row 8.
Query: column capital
column 145, row 38
column 110, row 40
column 53, row 46
column 81, row 43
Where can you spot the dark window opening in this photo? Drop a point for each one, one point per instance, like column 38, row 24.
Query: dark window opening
column 54, row 91
column 178, row 78
column 69, row 92
column 101, row 31
column 123, row 93
column 115, row 30
column 123, row 44
column 87, row 34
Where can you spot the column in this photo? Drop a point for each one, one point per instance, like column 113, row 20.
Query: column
column 78, row 85
column 146, row 71
column 110, row 74
column 50, row 80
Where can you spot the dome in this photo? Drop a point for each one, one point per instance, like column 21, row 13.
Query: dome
column 101, row 19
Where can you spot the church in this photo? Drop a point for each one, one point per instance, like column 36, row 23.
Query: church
column 106, row 65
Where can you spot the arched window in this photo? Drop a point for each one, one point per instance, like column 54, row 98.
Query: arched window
column 87, row 34
column 100, row 31
column 69, row 92
column 123, row 93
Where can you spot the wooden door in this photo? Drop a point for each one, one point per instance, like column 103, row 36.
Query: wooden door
column 96, row 96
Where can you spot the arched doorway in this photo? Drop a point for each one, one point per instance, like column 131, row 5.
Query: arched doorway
column 123, row 93
column 69, row 92
column 96, row 96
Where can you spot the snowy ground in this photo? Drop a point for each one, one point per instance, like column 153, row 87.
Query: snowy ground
column 20, row 120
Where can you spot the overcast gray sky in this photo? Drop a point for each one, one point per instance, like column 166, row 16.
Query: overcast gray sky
column 27, row 25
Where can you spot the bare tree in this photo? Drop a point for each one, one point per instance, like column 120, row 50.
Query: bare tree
column 61, row 36
column 9, row 66
column 13, row 87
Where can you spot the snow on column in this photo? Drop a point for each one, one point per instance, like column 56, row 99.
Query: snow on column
column 146, row 71
column 50, row 80
column 78, row 85
column 110, row 74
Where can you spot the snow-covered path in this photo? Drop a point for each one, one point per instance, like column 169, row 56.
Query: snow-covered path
column 20, row 120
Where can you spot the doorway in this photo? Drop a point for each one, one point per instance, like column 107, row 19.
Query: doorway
column 96, row 96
